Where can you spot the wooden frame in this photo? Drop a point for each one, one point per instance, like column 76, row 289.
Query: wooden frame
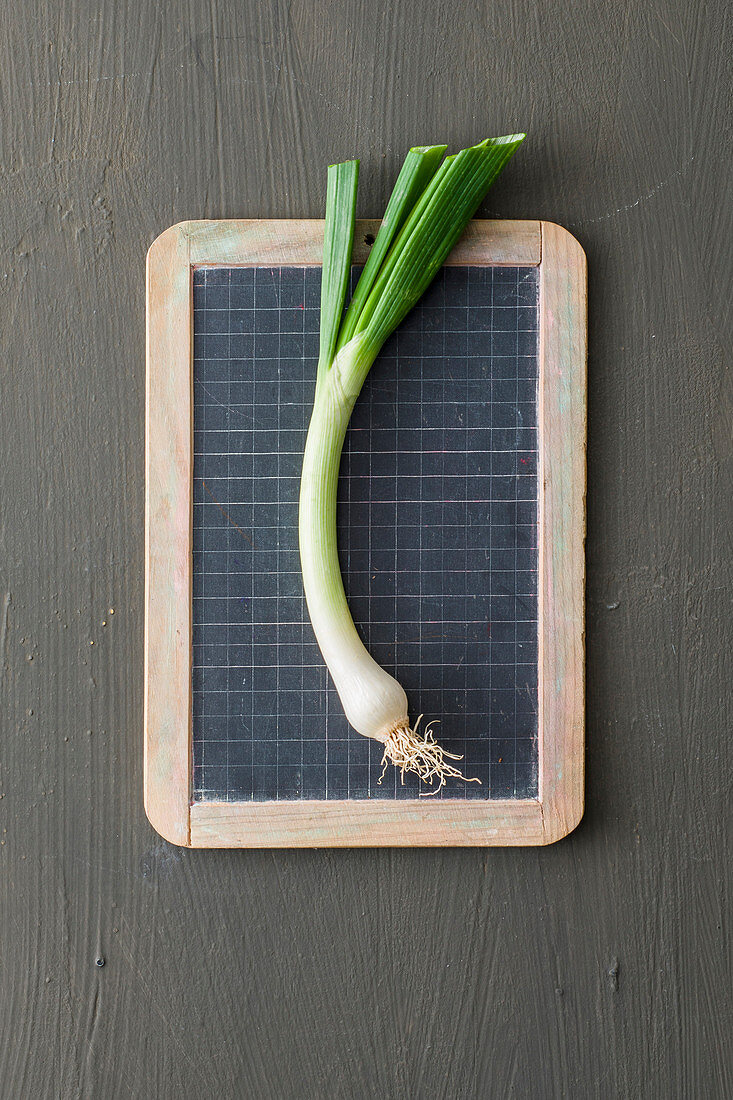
column 168, row 554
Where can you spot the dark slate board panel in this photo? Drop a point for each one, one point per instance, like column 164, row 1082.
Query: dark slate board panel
column 438, row 536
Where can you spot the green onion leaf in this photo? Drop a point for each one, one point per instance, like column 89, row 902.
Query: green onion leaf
column 402, row 237
column 431, row 233
column 419, row 168
column 338, row 240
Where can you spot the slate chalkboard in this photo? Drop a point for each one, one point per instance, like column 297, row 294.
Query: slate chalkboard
column 461, row 521
column 438, row 535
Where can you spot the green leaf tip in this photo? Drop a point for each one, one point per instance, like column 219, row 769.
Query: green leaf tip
column 433, row 228
column 338, row 240
column 433, row 199
column 417, row 172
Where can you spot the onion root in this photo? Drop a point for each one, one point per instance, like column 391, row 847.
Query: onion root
column 410, row 751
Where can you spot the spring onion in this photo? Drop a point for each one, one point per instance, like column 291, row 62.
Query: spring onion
column 432, row 202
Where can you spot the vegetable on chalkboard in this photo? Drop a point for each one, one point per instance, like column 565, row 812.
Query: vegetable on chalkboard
column 432, row 202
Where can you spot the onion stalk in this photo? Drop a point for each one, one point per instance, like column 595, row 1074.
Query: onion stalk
column 431, row 204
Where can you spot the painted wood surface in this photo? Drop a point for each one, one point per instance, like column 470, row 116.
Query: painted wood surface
column 360, row 824
column 300, row 241
column 168, row 509
column 598, row 967
column 562, row 424
column 168, row 553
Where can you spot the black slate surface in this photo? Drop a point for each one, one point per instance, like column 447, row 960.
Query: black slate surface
column 437, row 527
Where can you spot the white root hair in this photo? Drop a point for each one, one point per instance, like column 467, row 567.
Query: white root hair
column 411, row 752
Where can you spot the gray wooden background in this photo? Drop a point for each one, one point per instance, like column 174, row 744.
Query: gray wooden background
column 595, row 968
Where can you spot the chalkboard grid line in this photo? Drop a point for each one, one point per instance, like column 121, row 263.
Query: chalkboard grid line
column 219, row 747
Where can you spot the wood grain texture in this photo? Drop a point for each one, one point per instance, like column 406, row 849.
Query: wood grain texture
column 562, row 443
column 168, row 554
column 352, row 824
column 594, row 969
column 361, row 824
column 300, row 241
column 168, row 546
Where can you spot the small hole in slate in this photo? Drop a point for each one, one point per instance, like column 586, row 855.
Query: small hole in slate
column 369, row 239
column 100, row 961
